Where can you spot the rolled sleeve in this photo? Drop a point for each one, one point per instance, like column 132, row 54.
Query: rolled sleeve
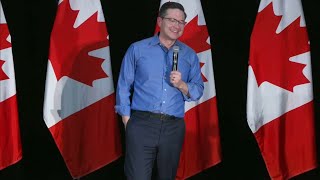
column 195, row 92
column 195, row 82
column 123, row 110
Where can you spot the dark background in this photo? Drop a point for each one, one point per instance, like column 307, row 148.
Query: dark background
column 230, row 24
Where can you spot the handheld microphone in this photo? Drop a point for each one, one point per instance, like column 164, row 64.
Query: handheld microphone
column 175, row 58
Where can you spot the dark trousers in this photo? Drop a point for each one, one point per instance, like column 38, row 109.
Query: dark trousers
column 151, row 137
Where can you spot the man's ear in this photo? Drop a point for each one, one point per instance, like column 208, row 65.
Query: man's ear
column 159, row 21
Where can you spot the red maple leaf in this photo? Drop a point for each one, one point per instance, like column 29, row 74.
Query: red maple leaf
column 270, row 52
column 69, row 46
column 4, row 33
column 203, row 77
column 3, row 75
column 196, row 36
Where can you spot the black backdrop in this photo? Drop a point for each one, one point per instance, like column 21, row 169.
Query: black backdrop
column 230, row 24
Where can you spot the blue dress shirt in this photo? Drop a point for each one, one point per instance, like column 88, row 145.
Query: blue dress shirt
column 145, row 71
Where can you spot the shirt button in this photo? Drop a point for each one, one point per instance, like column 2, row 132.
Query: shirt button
column 165, row 89
column 163, row 102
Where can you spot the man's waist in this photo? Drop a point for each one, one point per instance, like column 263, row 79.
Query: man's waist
column 176, row 110
column 156, row 115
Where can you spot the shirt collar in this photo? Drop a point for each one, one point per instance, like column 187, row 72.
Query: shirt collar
column 156, row 41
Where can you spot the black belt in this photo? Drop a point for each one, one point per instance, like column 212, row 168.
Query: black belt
column 156, row 115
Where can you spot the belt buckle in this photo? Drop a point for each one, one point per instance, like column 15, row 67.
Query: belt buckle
column 161, row 116
column 165, row 117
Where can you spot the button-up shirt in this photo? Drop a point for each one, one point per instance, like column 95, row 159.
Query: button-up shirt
column 145, row 71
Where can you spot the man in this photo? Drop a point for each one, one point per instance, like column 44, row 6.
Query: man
column 154, row 118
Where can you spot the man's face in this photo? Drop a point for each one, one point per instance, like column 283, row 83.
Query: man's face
column 172, row 25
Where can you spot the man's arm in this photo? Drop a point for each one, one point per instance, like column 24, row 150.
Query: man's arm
column 124, row 86
column 193, row 88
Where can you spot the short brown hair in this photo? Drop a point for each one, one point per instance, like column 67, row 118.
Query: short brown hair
column 171, row 5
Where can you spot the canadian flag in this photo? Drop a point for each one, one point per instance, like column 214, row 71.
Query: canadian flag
column 10, row 143
column 280, row 97
column 201, row 148
column 79, row 98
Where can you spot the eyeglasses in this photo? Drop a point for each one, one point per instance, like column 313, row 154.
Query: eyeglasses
column 175, row 21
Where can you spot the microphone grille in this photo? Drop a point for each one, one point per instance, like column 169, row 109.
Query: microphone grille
column 175, row 49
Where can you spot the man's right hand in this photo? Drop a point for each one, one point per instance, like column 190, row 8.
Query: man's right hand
column 125, row 120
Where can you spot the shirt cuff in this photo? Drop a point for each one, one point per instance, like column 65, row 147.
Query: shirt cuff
column 123, row 110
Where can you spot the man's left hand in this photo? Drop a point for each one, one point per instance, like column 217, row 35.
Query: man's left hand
column 175, row 79
column 177, row 82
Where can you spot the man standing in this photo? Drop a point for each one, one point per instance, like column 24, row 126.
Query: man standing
column 154, row 118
